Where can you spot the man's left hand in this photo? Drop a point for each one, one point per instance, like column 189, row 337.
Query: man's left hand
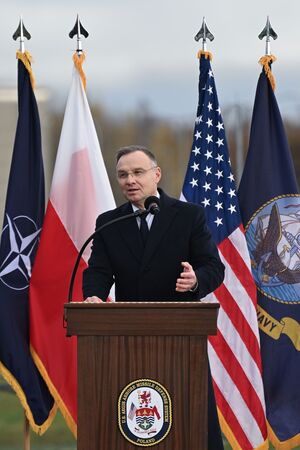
column 187, row 280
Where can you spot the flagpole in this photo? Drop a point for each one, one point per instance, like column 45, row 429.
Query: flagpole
column 22, row 55
column 204, row 34
column 26, row 442
column 78, row 30
column 268, row 32
column 267, row 60
column 234, row 368
column 21, row 33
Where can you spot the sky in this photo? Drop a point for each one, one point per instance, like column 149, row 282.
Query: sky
column 144, row 52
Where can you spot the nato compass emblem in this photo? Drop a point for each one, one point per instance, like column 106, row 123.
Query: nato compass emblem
column 273, row 237
column 19, row 241
column 144, row 412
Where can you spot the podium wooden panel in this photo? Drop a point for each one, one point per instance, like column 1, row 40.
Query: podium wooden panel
column 121, row 342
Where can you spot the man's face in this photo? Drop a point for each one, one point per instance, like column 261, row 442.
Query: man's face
column 137, row 177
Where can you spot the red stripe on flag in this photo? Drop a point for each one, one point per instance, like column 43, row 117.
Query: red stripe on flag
column 231, row 420
column 240, row 379
column 239, row 322
column 239, row 267
column 48, row 292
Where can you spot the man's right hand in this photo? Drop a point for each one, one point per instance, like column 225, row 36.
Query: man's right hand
column 93, row 299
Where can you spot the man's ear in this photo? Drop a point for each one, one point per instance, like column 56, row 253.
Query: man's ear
column 158, row 173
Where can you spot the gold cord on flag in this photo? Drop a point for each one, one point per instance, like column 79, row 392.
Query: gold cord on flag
column 266, row 62
column 26, row 59
column 207, row 55
column 78, row 60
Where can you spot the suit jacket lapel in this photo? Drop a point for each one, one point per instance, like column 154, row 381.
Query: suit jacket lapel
column 161, row 222
column 130, row 232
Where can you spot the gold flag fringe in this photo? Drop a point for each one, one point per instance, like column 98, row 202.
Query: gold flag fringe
column 207, row 55
column 38, row 429
column 282, row 445
column 26, row 59
column 59, row 401
column 266, row 61
column 78, row 60
column 231, row 438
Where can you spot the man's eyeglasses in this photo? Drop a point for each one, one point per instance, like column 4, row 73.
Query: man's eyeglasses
column 137, row 173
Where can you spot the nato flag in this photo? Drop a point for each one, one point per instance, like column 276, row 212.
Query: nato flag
column 24, row 211
column 270, row 207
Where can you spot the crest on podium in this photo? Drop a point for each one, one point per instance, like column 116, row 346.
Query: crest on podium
column 144, row 412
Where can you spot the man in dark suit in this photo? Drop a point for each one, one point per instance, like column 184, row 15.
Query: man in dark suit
column 178, row 262
column 169, row 257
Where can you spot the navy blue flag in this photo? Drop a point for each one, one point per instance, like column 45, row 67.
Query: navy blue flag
column 270, row 207
column 24, row 211
column 234, row 354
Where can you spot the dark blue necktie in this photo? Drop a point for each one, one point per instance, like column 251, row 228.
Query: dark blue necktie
column 144, row 230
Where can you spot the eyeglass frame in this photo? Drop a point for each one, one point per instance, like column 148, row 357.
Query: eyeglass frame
column 136, row 173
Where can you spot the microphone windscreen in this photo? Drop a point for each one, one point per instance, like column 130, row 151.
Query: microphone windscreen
column 152, row 204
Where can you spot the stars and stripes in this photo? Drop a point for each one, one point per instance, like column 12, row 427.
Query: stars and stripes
column 132, row 411
column 234, row 354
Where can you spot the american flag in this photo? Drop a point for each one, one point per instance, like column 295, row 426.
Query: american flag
column 132, row 411
column 234, row 354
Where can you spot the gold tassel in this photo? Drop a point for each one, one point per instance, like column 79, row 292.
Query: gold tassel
column 205, row 54
column 265, row 61
column 78, row 60
column 26, row 59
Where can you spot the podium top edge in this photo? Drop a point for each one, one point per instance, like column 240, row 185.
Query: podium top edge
column 121, row 305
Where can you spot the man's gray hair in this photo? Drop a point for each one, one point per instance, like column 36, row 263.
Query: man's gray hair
column 136, row 148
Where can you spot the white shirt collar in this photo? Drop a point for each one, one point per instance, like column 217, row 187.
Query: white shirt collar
column 149, row 217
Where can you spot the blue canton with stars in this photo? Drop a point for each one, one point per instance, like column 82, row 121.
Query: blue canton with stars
column 209, row 181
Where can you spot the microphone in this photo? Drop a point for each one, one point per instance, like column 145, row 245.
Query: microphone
column 152, row 205
column 139, row 212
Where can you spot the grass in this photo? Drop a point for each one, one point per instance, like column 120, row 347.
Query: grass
column 58, row 437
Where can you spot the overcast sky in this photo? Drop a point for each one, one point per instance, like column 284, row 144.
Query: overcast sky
column 144, row 50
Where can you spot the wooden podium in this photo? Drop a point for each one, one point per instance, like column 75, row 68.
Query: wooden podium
column 119, row 343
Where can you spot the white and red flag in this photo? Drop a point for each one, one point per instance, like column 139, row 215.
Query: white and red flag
column 80, row 191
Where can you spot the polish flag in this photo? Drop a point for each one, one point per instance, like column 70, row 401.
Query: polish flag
column 80, row 191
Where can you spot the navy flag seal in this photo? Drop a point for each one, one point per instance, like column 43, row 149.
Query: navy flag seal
column 144, row 412
column 273, row 237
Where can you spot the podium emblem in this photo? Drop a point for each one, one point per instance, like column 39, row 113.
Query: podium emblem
column 144, row 412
